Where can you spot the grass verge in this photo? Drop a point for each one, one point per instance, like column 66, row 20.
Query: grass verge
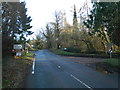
column 15, row 70
column 33, row 49
column 112, row 62
column 94, row 55
column 109, row 65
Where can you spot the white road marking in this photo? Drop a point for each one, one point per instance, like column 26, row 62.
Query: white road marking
column 59, row 67
column 81, row 82
column 32, row 72
column 33, row 66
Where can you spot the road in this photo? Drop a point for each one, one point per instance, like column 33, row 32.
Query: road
column 54, row 71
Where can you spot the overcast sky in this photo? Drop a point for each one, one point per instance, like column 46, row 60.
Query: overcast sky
column 42, row 11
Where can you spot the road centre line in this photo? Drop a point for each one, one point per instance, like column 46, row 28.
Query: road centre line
column 59, row 66
column 78, row 79
column 81, row 82
column 33, row 67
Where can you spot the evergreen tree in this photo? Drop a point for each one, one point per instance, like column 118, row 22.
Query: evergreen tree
column 75, row 21
column 15, row 24
column 24, row 22
column 74, row 35
column 103, row 20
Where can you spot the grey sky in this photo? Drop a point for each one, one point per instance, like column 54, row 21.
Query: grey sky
column 42, row 11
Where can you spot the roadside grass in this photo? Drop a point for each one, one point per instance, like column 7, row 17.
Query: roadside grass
column 112, row 62
column 66, row 53
column 15, row 70
column 33, row 49
column 109, row 65
column 28, row 58
column 30, row 54
column 83, row 54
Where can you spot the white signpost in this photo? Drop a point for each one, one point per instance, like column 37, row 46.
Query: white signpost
column 110, row 49
column 18, row 49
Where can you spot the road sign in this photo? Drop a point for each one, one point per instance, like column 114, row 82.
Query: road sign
column 18, row 54
column 110, row 50
column 18, row 49
column 18, row 46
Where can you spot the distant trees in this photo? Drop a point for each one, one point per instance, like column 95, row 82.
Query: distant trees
column 38, row 42
column 15, row 24
column 93, row 33
column 57, row 28
column 52, row 31
column 48, row 34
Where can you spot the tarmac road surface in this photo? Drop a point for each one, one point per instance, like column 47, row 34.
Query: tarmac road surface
column 54, row 71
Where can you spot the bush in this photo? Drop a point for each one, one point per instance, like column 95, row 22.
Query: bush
column 72, row 49
column 117, row 52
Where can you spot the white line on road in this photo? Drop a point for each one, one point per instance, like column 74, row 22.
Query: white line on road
column 81, row 82
column 33, row 66
column 59, row 67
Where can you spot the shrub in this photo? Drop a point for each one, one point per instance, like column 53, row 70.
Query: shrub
column 72, row 49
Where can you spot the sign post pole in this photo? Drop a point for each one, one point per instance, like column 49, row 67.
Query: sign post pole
column 110, row 53
column 110, row 49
